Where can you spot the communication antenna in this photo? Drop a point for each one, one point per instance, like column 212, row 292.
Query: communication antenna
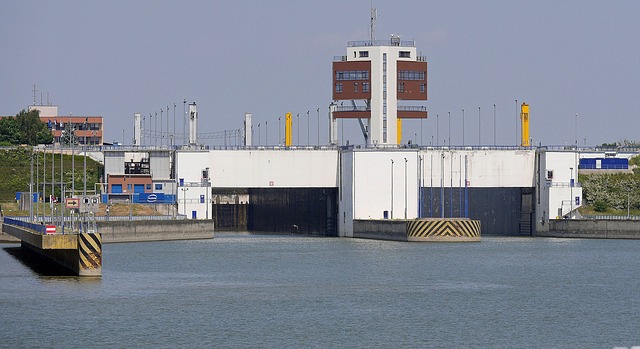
column 34, row 94
column 374, row 15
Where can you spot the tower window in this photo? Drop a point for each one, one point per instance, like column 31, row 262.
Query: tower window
column 364, row 54
column 423, row 88
column 339, row 87
column 365, row 87
column 405, row 54
column 401, row 87
column 355, row 87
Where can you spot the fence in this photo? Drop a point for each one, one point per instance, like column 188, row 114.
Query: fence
column 23, row 223
column 611, row 217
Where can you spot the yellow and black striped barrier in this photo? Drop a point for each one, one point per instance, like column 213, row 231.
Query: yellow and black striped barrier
column 90, row 254
column 444, row 229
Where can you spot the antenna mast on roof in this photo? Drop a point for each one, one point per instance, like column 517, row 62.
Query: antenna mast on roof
column 374, row 15
column 34, row 94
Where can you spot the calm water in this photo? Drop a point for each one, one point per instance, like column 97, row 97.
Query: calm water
column 275, row 291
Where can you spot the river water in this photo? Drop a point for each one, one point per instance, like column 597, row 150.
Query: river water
column 285, row 291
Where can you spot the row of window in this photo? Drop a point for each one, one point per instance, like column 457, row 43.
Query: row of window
column 364, row 54
column 423, row 87
column 411, row 75
column 352, row 75
column 365, row 87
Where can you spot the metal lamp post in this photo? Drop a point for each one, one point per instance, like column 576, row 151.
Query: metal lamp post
column 571, row 192
column 391, row 188
column 184, row 200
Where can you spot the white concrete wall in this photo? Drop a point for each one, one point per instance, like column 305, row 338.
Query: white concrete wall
column 113, row 163
column 160, row 163
column 377, row 189
column 557, row 197
column 484, row 168
column 189, row 201
column 262, row 168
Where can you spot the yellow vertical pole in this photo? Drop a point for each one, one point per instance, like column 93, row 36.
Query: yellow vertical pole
column 399, row 126
column 288, row 126
column 524, row 118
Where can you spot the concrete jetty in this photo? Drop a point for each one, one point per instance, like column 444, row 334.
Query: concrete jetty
column 79, row 253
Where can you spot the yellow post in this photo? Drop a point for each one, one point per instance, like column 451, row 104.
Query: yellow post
column 288, row 126
column 524, row 118
column 399, row 124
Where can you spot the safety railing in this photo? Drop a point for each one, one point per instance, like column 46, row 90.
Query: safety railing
column 24, row 224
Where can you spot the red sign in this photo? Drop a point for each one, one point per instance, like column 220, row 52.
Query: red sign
column 51, row 229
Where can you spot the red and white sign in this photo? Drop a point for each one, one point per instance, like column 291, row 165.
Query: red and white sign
column 51, row 229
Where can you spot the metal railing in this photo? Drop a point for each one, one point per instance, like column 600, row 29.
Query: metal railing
column 390, row 42
column 25, row 224
column 412, row 108
column 611, row 217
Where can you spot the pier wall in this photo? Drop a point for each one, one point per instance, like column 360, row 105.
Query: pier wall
column 137, row 231
column 592, row 229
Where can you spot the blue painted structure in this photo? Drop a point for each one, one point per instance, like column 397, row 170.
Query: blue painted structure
column 604, row 164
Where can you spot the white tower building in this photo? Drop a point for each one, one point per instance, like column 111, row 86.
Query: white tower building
column 381, row 74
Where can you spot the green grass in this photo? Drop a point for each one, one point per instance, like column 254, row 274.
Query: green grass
column 15, row 169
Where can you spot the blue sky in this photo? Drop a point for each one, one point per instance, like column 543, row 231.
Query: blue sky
column 117, row 58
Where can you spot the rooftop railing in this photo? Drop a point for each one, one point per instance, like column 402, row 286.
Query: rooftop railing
column 391, row 42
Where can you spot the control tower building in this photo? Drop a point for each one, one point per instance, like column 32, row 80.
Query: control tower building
column 372, row 81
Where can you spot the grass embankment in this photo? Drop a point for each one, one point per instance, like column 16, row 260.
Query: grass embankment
column 15, row 172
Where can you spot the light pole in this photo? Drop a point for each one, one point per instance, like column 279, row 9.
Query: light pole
column 405, row 189
column 279, row 131
column 266, row 133
column 494, row 125
column 463, row 127
column 479, row 142
column 318, row 126
column 308, row 142
column 391, row 188
column 576, row 130
column 184, row 120
column 449, row 128
column 298, row 122
column 161, row 135
column 571, row 191
column 155, row 129
column 437, row 129
column 517, row 122
column 184, row 200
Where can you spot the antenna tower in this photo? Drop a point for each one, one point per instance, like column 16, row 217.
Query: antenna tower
column 374, row 15
column 34, row 94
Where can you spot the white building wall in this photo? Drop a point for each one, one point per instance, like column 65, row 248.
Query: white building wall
column 262, row 168
column 160, row 164
column 114, row 162
column 558, row 197
column 380, row 185
column 484, row 168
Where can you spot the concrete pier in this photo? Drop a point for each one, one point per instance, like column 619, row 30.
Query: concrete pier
column 443, row 230
column 79, row 253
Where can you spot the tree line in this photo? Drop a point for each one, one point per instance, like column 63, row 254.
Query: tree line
column 25, row 128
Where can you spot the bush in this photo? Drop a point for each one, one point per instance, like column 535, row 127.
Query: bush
column 600, row 206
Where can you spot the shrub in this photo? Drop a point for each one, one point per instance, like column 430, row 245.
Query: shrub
column 600, row 206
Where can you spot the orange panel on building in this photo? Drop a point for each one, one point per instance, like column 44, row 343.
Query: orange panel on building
column 352, row 80
column 412, row 80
